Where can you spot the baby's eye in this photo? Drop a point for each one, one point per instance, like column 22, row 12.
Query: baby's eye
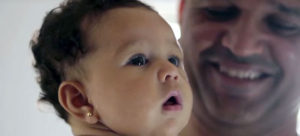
column 174, row 60
column 138, row 60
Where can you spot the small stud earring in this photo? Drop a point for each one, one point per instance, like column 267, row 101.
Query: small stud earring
column 89, row 114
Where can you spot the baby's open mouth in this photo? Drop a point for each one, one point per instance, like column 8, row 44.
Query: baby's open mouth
column 173, row 102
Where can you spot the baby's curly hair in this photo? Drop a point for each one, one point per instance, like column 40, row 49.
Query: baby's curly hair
column 60, row 43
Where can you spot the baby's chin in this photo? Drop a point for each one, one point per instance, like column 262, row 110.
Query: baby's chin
column 168, row 129
column 169, row 132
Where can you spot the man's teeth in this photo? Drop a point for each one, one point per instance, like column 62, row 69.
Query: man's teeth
column 240, row 73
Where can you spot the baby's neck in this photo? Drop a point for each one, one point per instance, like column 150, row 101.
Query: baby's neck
column 80, row 128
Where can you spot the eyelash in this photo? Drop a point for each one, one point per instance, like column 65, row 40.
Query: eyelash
column 280, row 26
column 274, row 23
column 141, row 60
column 176, row 62
column 138, row 60
column 221, row 14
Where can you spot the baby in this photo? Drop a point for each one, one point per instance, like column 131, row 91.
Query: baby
column 111, row 68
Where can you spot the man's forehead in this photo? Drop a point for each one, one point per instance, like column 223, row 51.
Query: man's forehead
column 297, row 2
column 291, row 7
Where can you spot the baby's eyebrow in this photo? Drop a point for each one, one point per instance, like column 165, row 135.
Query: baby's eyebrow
column 133, row 45
column 128, row 46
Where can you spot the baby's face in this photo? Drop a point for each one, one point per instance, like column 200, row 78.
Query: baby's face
column 136, row 80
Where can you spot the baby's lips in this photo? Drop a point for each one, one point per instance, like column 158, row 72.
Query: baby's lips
column 173, row 101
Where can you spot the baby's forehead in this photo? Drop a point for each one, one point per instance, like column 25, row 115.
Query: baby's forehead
column 120, row 19
column 116, row 14
column 123, row 18
column 127, row 25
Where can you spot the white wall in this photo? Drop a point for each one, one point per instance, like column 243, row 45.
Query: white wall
column 19, row 114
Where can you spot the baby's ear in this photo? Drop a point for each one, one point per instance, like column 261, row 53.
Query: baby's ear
column 73, row 98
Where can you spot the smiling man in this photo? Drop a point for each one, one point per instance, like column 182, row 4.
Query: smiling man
column 243, row 61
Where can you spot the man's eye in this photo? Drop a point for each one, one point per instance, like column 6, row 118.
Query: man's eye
column 219, row 14
column 281, row 27
column 138, row 60
column 174, row 60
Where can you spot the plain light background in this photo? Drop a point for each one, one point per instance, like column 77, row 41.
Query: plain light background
column 20, row 114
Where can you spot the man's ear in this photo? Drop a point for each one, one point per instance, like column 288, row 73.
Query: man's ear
column 181, row 8
column 72, row 97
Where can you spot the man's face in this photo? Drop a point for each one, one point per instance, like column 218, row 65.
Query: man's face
column 242, row 58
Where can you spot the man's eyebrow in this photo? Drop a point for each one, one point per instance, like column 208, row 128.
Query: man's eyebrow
column 230, row 1
column 295, row 11
column 214, row 0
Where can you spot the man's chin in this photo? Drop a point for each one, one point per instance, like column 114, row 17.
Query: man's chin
column 234, row 101
column 232, row 116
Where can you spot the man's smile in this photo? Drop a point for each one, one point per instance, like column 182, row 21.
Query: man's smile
column 241, row 77
column 242, row 72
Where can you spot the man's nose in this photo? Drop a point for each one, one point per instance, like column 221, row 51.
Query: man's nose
column 243, row 36
column 167, row 72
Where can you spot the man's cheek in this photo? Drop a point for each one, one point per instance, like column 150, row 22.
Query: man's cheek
column 286, row 54
column 204, row 38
